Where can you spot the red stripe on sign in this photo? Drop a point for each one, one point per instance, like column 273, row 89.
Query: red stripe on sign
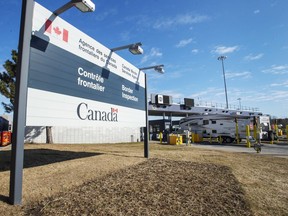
column 48, row 26
column 65, row 35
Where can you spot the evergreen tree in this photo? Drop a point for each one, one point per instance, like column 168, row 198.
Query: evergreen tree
column 7, row 81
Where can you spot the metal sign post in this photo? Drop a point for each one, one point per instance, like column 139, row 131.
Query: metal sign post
column 146, row 130
column 19, row 118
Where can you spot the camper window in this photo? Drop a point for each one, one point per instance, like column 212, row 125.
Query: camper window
column 213, row 122
column 205, row 122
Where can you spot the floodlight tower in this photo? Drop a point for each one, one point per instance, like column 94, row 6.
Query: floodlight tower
column 222, row 58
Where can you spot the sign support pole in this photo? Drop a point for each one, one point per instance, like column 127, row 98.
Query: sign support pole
column 146, row 129
column 20, row 104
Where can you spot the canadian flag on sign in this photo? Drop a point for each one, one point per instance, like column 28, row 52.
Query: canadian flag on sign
column 114, row 110
column 55, row 30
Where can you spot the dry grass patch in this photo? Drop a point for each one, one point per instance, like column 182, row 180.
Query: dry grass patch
column 53, row 171
column 154, row 187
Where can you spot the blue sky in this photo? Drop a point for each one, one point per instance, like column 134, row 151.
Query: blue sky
column 188, row 36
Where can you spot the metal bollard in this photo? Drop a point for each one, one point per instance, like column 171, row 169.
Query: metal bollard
column 248, row 144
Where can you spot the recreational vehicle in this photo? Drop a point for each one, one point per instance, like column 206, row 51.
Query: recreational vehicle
column 228, row 127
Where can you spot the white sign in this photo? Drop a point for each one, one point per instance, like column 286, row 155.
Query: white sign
column 76, row 81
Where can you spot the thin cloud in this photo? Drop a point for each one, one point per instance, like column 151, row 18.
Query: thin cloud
column 125, row 36
column 256, row 11
column 252, row 57
column 185, row 19
column 105, row 14
column 220, row 50
column 184, row 42
column 174, row 75
column 273, row 96
column 154, row 53
column 283, row 84
column 195, row 51
column 282, row 95
column 244, row 75
column 208, row 92
column 277, row 69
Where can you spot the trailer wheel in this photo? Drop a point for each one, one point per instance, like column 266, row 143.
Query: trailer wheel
column 229, row 140
column 224, row 139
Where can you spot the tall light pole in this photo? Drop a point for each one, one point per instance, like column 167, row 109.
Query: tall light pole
column 222, row 58
column 239, row 103
column 159, row 69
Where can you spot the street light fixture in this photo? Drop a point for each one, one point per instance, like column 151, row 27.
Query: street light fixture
column 159, row 69
column 135, row 48
column 82, row 5
column 222, row 58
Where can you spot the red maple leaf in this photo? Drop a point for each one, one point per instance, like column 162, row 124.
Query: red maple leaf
column 57, row 30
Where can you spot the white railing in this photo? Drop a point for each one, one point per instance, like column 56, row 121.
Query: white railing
column 201, row 103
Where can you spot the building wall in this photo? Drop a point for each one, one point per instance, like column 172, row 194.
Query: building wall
column 83, row 135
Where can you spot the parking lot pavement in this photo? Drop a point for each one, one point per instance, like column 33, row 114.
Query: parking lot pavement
column 276, row 149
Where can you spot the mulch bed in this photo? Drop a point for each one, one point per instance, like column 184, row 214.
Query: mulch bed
column 154, row 187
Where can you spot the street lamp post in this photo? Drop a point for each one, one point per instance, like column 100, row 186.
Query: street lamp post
column 222, row 58
column 136, row 49
column 159, row 69
column 239, row 103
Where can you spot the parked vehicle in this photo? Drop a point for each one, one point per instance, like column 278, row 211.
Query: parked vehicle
column 5, row 133
column 228, row 127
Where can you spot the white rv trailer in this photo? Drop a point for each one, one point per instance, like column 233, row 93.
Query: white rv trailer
column 224, row 126
column 265, row 129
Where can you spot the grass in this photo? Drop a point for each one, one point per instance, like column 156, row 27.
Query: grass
column 154, row 187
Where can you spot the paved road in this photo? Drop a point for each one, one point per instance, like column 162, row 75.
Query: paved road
column 276, row 149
